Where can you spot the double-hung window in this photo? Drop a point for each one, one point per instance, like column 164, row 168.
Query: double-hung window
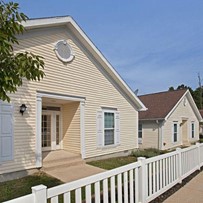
column 175, row 131
column 192, row 130
column 140, row 133
column 109, row 128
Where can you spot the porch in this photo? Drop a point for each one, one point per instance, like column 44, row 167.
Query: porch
column 60, row 130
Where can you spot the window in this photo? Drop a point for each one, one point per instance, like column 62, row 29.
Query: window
column 64, row 51
column 175, row 132
column 109, row 128
column 140, row 131
column 192, row 129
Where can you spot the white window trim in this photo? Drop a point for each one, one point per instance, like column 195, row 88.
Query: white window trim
column 175, row 142
column 192, row 122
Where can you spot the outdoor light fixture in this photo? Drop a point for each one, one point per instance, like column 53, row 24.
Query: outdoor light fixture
column 23, row 108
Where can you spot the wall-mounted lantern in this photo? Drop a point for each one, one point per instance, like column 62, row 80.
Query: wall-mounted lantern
column 23, row 108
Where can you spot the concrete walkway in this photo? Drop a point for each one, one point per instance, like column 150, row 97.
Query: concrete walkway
column 71, row 173
column 192, row 192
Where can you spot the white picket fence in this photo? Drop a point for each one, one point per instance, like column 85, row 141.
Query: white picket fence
column 141, row 181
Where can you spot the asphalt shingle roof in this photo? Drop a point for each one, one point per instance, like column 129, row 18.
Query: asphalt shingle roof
column 159, row 104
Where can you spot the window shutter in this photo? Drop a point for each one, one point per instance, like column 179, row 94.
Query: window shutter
column 117, row 127
column 6, row 131
column 99, row 128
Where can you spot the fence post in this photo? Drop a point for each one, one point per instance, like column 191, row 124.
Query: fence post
column 40, row 193
column 198, row 155
column 143, row 182
column 179, row 165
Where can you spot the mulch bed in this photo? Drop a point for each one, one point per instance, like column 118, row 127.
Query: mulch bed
column 175, row 188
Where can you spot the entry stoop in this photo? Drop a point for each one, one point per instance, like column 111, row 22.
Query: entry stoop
column 59, row 159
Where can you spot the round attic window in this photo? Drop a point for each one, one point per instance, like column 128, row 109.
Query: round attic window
column 64, row 51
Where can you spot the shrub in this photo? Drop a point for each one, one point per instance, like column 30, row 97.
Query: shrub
column 150, row 152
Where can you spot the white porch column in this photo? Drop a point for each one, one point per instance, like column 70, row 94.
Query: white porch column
column 38, row 150
column 82, row 129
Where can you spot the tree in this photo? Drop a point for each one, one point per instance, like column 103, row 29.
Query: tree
column 171, row 88
column 200, row 90
column 15, row 66
column 196, row 94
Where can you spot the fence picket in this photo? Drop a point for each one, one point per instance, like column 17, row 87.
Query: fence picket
column 113, row 195
column 97, row 192
column 150, row 178
column 66, row 197
column 54, row 199
column 157, row 176
column 105, row 190
column 78, row 197
column 125, row 178
column 131, row 187
column 119, row 188
column 161, row 174
column 136, row 186
column 88, row 195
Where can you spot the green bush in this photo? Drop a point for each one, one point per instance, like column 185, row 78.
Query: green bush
column 201, row 140
column 150, row 152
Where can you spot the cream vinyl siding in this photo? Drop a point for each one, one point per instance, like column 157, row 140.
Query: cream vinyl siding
column 81, row 77
column 24, row 139
column 71, row 127
column 149, row 134
column 181, row 112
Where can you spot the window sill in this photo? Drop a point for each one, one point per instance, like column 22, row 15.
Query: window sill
column 108, row 146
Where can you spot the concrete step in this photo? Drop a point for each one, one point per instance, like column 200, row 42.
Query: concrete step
column 61, row 164
column 56, row 160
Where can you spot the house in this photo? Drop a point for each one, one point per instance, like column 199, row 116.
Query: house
column 172, row 120
column 82, row 105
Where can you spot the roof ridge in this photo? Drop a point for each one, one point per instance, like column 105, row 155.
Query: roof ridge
column 163, row 92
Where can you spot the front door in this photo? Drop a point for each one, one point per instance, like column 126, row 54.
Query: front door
column 51, row 130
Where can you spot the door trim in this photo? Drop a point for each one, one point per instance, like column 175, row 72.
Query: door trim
column 53, row 114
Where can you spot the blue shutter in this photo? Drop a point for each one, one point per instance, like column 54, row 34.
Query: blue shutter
column 6, row 131
column 100, row 128
column 117, row 127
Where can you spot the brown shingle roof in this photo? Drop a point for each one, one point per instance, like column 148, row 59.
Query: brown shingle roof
column 159, row 104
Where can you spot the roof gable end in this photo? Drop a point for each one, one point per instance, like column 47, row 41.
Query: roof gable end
column 80, row 34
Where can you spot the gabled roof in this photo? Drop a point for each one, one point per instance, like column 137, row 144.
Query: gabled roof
column 80, row 34
column 161, row 105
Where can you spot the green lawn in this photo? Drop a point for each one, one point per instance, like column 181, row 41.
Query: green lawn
column 16, row 188
column 112, row 163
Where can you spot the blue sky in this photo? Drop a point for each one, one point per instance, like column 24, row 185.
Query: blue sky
column 153, row 44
